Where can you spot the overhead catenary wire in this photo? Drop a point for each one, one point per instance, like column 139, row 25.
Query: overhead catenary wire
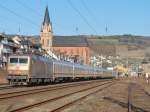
column 34, row 11
column 89, row 11
column 80, row 14
column 28, row 7
column 92, row 15
column 19, row 16
column 6, row 20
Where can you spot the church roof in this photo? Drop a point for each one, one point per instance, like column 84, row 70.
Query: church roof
column 60, row 41
column 46, row 17
column 69, row 41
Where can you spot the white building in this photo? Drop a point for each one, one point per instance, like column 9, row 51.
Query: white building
column 7, row 46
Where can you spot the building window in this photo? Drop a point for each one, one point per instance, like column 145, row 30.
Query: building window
column 43, row 41
column 48, row 42
column 78, row 51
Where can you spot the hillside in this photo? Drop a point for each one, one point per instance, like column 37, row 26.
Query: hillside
column 103, row 46
column 125, row 45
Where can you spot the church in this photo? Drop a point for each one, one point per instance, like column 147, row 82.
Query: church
column 72, row 46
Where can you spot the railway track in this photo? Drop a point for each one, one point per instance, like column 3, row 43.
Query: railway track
column 134, row 98
column 63, row 101
column 139, row 99
column 3, row 87
column 7, row 87
column 5, row 96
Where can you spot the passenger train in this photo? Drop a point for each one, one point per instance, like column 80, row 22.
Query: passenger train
column 28, row 69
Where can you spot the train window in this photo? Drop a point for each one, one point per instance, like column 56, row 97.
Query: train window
column 13, row 60
column 23, row 60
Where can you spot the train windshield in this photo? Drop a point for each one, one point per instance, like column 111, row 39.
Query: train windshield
column 13, row 60
column 23, row 60
column 19, row 60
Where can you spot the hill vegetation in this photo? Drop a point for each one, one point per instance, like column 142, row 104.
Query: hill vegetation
column 109, row 45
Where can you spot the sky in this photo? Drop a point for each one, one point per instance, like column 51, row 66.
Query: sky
column 76, row 17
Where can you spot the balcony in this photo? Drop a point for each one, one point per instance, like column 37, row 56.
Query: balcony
column 7, row 50
column 8, row 43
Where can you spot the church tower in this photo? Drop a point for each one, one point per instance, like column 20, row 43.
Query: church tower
column 46, row 35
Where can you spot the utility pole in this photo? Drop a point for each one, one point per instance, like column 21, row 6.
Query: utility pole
column 106, row 29
column 77, row 31
column 19, row 29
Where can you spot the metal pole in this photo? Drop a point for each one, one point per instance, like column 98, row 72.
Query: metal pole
column 129, row 98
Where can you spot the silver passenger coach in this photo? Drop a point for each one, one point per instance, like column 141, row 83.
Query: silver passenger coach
column 32, row 69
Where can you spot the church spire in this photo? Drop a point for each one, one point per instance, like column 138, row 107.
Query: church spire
column 46, row 17
column 47, row 25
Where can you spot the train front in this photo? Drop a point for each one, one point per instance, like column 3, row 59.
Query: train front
column 18, row 69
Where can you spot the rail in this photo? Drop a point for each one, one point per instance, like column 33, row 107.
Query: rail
column 87, row 91
column 5, row 96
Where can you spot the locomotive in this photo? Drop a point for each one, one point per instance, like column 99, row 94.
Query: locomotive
column 28, row 69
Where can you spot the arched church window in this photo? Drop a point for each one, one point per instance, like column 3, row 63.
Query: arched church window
column 48, row 42
column 43, row 41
